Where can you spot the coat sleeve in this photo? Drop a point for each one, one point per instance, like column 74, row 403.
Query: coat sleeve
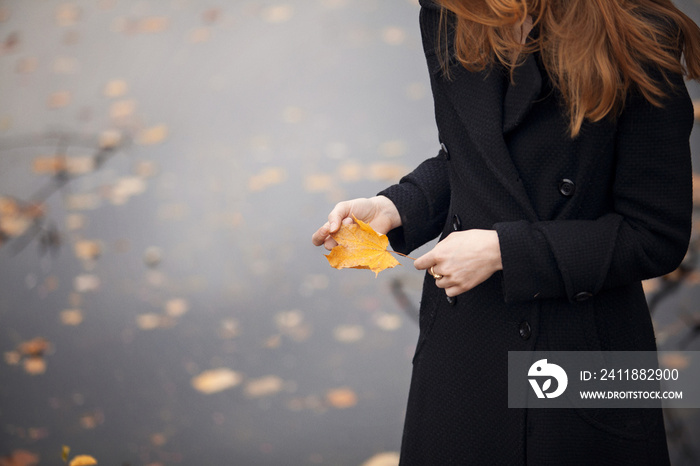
column 645, row 234
column 422, row 198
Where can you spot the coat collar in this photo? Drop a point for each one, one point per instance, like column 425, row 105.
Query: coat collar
column 478, row 98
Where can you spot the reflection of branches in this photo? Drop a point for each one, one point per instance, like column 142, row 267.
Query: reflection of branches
column 32, row 211
column 397, row 290
column 676, row 427
column 45, row 139
column 693, row 323
column 672, row 281
column 676, row 433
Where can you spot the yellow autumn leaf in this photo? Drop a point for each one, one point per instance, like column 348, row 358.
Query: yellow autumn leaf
column 360, row 247
column 65, row 450
column 82, row 460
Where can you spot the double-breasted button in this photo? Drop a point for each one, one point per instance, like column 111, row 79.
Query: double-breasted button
column 567, row 187
column 446, row 153
column 452, row 300
column 582, row 296
column 525, row 330
column 456, row 223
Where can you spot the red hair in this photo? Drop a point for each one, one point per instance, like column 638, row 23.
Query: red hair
column 595, row 51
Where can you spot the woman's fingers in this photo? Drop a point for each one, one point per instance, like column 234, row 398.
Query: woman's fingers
column 378, row 211
column 442, row 280
column 462, row 260
column 320, row 236
column 341, row 214
column 323, row 234
column 330, row 243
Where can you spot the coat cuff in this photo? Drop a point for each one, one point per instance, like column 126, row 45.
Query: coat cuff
column 555, row 259
column 527, row 263
column 414, row 210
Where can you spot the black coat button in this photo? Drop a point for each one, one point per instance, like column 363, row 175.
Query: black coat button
column 582, row 296
column 445, row 152
column 456, row 223
column 452, row 300
column 525, row 330
column 567, row 187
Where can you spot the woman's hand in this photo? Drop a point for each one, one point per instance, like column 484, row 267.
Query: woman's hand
column 464, row 259
column 378, row 211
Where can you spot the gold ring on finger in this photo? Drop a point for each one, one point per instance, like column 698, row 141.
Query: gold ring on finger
column 437, row 276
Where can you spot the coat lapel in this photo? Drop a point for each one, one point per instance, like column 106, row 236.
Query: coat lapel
column 478, row 99
column 526, row 87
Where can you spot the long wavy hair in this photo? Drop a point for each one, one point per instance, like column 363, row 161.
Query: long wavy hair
column 595, row 51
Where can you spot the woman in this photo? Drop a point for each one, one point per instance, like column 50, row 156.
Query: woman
column 563, row 180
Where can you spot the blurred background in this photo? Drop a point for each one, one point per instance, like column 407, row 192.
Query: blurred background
column 163, row 165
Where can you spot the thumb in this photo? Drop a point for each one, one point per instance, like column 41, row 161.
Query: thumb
column 425, row 261
column 337, row 215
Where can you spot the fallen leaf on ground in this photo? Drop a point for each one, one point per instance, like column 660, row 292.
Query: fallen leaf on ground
column 35, row 347
column 348, row 333
column 153, row 24
column 86, row 282
column 71, row 316
column 110, row 139
column 153, row 135
column 386, row 171
column 268, row 177
column 91, row 420
column 34, row 365
column 20, row 458
column 159, row 439
column 176, row 307
column 341, row 398
column 50, row 164
column 388, row 322
column 122, row 109
column 12, row 358
column 674, row 360
column 67, row 14
column 360, row 247
column 87, row 250
column 59, row 99
column 199, row 35
column 264, row 386
column 388, row 458
column 216, row 380
column 277, row 14
column 82, row 460
column 115, row 88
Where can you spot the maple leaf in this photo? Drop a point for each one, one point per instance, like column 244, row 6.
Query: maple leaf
column 360, row 247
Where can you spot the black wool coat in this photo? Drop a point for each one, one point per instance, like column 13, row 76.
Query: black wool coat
column 580, row 222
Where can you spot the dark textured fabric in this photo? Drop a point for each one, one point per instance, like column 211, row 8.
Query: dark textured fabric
column 627, row 218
